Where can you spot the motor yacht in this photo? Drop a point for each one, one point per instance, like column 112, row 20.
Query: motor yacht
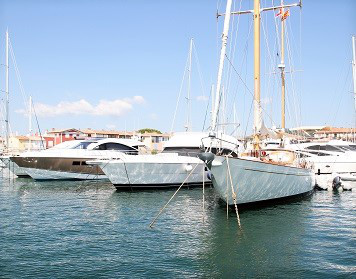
column 68, row 159
column 177, row 163
column 328, row 160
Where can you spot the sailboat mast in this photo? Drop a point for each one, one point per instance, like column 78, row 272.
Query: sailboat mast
column 221, row 63
column 7, row 90
column 29, row 123
column 282, row 67
column 354, row 70
column 188, row 125
column 257, row 79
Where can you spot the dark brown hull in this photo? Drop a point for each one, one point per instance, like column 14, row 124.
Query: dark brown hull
column 58, row 164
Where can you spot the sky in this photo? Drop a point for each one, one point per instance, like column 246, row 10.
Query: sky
column 106, row 64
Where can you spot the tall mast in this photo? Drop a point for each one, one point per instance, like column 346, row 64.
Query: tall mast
column 29, row 123
column 257, row 79
column 221, row 63
column 354, row 70
column 188, row 125
column 212, row 104
column 282, row 66
column 7, row 90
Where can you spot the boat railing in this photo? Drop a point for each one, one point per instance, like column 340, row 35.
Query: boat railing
column 219, row 149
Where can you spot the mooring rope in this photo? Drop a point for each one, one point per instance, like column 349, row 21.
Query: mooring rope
column 160, row 212
column 233, row 193
column 227, row 193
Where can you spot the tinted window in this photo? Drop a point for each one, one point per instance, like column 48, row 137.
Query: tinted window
column 184, row 151
column 332, row 148
column 115, row 146
column 324, row 147
column 314, row 147
column 83, row 145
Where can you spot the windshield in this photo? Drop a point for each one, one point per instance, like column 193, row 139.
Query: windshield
column 65, row 145
column 325, row 148
column 82, row 145
column 344, row 147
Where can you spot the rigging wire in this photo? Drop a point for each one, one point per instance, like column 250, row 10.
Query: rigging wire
column 206, row 111
column 23, row 93
column 244, row 62
column 251, row 93
column 179, row 94
column 342, row 95
column 38, row 125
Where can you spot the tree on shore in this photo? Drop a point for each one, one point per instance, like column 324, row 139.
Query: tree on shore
column 149, row 130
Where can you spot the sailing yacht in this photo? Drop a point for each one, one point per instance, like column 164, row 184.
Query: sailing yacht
column 252, row 178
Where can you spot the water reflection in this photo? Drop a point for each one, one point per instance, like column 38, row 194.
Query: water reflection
column 88, row 229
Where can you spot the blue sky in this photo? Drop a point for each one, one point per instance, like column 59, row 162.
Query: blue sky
column 85, row 61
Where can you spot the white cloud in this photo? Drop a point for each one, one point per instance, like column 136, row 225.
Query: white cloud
column 202, row 98
column 116, row 107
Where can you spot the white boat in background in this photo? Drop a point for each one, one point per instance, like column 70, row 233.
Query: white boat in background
column 329, row 160
column 170, row 168
column 252, row 178
column 68, row 160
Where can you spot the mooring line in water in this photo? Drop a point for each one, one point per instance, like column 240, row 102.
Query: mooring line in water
column 160, row 212
column 233, row 193
column 227, row 193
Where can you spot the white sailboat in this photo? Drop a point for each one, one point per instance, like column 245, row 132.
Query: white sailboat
column 14, row 169
column 255, row 179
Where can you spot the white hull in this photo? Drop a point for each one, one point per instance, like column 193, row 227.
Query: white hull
column 163, row 170
column 255, row 181
column 326, row 168
column 42, row 174
column 331, row 166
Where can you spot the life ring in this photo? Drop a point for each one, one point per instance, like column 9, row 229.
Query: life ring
column 263, row 153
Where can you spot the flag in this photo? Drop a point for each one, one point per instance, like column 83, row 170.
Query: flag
column 279, row 13
column 285, row 15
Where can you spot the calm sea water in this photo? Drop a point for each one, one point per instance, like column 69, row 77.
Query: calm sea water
column 88, row 230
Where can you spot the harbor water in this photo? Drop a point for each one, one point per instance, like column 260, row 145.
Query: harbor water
column 86, row 229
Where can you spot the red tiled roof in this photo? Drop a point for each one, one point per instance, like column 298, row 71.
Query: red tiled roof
column 334, row 130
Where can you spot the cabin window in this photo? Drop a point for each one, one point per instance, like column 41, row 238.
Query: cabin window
column 314, row 147
column 183, row 151
column 76, row 163
column 84, row 163
column 353, row 147
column 83, row 145
column 115, row 146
